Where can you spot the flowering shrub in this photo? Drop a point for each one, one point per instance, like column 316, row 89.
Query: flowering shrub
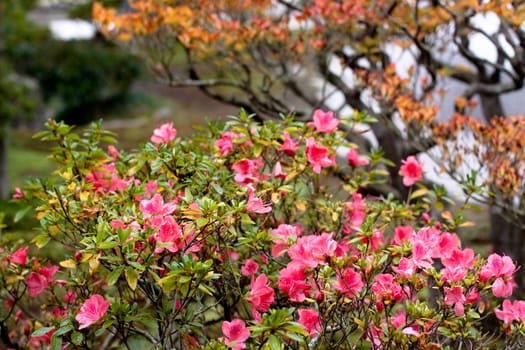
column 237, row 239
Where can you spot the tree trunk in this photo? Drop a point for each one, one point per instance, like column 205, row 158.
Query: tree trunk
column 507, row 237
column 491, row 107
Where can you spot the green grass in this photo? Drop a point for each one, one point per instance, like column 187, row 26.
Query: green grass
column 25, row 163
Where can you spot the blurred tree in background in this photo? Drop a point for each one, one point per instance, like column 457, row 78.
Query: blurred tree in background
column 15, row 95
column 78, row 79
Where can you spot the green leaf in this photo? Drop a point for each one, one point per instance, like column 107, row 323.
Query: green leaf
column 56, row 342
column 274, row 342
column 41, row 240
column 77, row 338
column 20, row 214
column 63, row 330
column 132, row 276
column 419, row 193
column 107, row 245
column 114, row 276
column 41, row 331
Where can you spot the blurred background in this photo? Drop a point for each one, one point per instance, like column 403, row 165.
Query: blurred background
column 54, row 64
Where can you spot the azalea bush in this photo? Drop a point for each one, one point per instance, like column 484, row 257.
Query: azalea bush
column 246, row 236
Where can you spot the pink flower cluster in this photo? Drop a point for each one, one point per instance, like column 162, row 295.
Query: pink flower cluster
column 40, row 280
column 92, row 310
column 164, row 134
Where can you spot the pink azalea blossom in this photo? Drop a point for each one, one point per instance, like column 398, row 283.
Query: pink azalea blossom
column 355, row 160
column 385, row 287
column 261, row 296
column 39, row 280
column 502, row 268
column 225, row 143
column 247, row 171
column 256, row 205
column 106, row 179
column 92, row 310
column 18, row 193
column 357, row 210
column 278, row 171
column 289, row 146
column 318, row 156
column 402, row 234
column 20, row 256
column 502, row 288
column 164, row 134
column 36, row 284
column 497, row 266
column 411, row 170
column 324, row 121
column 292, row 281
column 454, row 296
column 156, row 206
column 283, row 236
column 460, row 257
column 506, row 313
column 349, row 282
column 169, row 232
column 405, row 268
column 511, row 311
column 249, row 268
column 236, row 334
column 309, row 318
column 421, row 255
column 313, row 250
column 113, row 152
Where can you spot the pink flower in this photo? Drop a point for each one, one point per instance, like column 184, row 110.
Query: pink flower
column 106, row 178
column 356, row 211
column 278, row 171
column 36, row 284
column 349, row 282
column 164, row 134
column 292, row 282
column 236, row 333
column 411, row 170
column 502, row 288
column 92, row 310
column 289, row 146
column 497, row 266
column 225, row 143
column 312, row 251
column 385, row 287
column 156, row 206
column 283, row 236
column 246, row 171
column 318, row 156
column 18, row 193
column 39, row 280
column 250, row 268
column 405, row 268
column 502, row 268
column 309, row 318
column 261, row 296
column 324, row 121
column 355, row 160
column 169, row 232
column 20, row 256
column 402, row 234
column 511, row 311
column 454, row 296
column 113, row 152
column 256, row 205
